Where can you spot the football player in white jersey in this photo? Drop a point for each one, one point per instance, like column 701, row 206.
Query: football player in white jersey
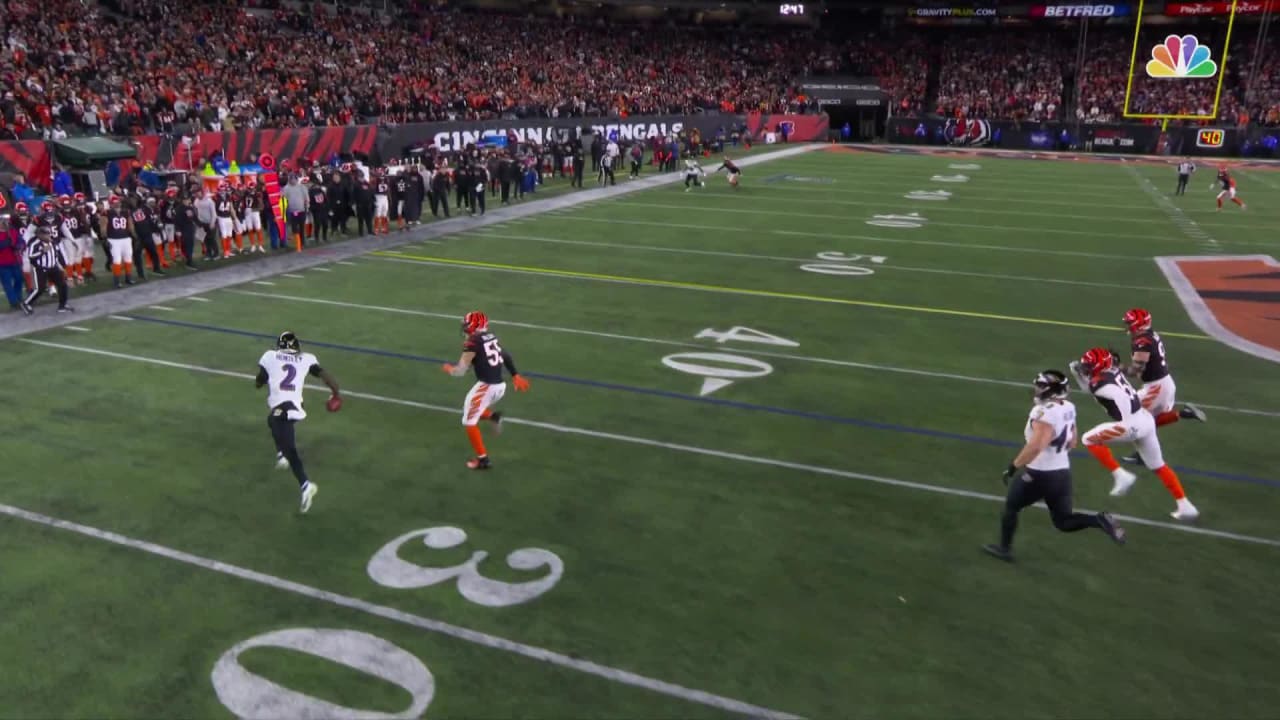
column 1042, row 469
column 284, row 371
column 693, row 174
column 1098, row 373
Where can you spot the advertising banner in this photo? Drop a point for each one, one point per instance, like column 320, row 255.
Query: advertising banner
column 1244, row 7
column 1079, row 11
column 1128, row 138
column 380, row 143
column 952, row 12
column 859, row 92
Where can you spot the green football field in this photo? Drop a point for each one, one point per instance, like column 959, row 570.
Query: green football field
column 760, row 454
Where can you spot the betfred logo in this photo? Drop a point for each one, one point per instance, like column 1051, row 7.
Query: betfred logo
column 1210, row 138
column 1079, row 11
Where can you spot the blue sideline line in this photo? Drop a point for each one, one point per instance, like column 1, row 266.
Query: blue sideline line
column 721, row 402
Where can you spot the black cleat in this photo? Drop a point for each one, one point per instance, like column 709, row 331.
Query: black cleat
column 66, row 309
column 479, row 463
column 496, row 419
column 1191, row 412
column 1109, row 526
column 998, row 551
column 1134, row 459
column 27, row 308
column 159, row 272
column 128, row 280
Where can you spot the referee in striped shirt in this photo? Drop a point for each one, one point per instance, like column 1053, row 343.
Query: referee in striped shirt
column 48, row 263
column 1185, row 168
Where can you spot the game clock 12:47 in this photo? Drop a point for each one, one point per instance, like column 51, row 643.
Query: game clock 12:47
column 791, row 9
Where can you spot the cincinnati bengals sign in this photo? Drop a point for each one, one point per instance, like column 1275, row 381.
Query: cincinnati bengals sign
column 1233, row 298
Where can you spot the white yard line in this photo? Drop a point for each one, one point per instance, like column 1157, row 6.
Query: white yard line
column 345, row 262
column 932, row 223
column 76, row 328
column 321, row 269
column 750, row 256
column 264, row 282
column 1085, row 187
column 420, row 622
column 121, row 318
column 682, row 344
column 991, row 207
column 293, row 275
column 166, row 308
column 1189, row 227
column 197, row 298
column 675, row 447
column 1003, row 197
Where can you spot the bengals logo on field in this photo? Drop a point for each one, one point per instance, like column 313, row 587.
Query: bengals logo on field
column 1234, row 298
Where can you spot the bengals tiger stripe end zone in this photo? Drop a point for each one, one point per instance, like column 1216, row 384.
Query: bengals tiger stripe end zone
column 1235, row 299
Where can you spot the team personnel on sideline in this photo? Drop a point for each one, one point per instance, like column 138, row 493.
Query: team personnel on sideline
column 1150, row 364
column 82, row 247
column 1042, row 469
column 482, row 351
column 284, row 371
column 1228, row 188
column 228, row 228
column 118, row 228
column 381, row 203
column 1096, row 372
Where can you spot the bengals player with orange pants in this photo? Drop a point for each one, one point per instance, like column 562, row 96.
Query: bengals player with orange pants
column 1099, row 375
column 1150, row 364
column 482, row 352
column 1228, row 189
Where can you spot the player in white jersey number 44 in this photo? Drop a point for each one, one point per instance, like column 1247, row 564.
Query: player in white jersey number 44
column 1097, row 373
column 284, row 371
column 1042, row 469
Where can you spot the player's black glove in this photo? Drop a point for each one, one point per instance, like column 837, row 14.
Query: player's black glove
column 1010, row 473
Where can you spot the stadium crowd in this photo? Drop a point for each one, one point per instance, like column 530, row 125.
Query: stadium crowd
column 75, row 66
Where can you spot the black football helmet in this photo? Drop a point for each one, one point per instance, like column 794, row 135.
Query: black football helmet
column 288, row 342
column 1051, row 385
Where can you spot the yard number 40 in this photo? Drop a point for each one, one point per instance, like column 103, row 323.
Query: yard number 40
column 719, row 370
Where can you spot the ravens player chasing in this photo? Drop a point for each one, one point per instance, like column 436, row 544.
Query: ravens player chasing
column 693, row 174
column 1042, row 469
column 1097, row 373
column 482, row 352
column 284, row 371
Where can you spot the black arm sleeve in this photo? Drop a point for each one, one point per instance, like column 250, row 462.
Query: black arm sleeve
column 315, row 370
column 262, row 377
column 510, row 363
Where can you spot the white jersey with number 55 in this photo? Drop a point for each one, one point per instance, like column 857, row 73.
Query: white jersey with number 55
column 286, row 374
column 1060, row 415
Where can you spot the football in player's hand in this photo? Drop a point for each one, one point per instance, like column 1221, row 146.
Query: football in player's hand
column 334, row 404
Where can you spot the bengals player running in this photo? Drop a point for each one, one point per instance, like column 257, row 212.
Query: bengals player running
column 482, row 351
column 1228, row 188
column 1096, row 371
column 1151, row 365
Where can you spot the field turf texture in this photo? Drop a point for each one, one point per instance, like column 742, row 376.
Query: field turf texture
column 803, row 539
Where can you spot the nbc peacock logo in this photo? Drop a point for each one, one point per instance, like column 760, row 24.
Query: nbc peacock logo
column 1181, row 57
